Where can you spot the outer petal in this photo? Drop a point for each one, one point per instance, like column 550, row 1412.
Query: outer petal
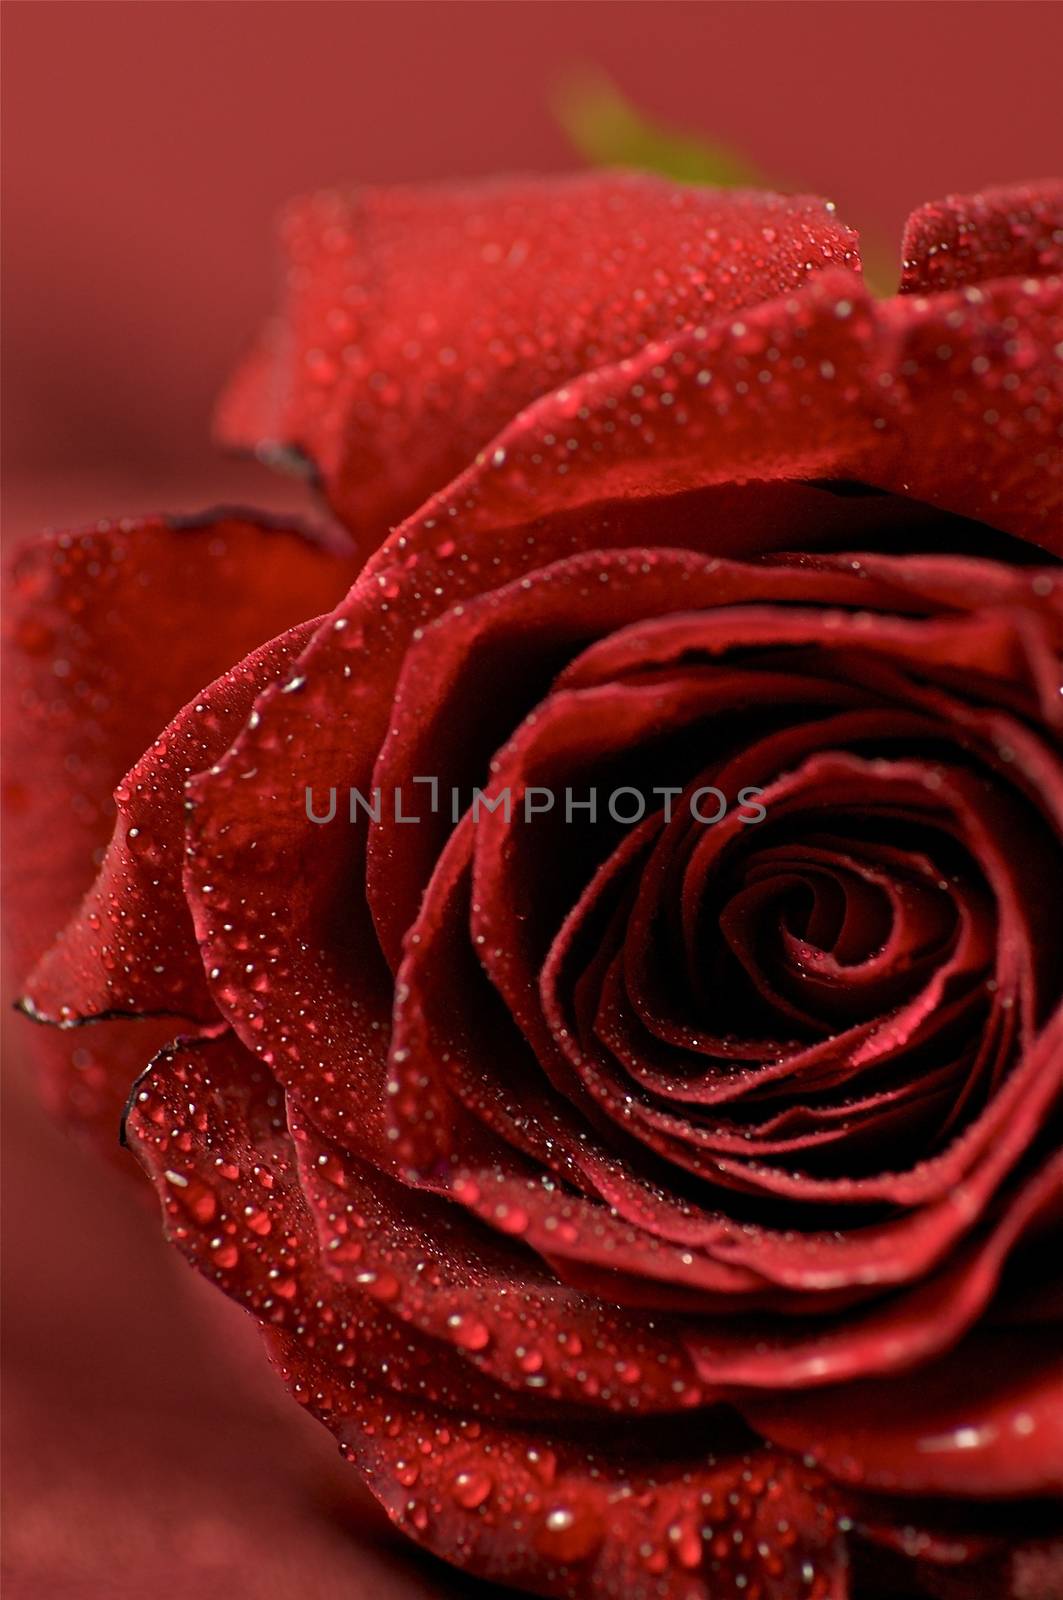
column 130, row 950
column 1002, row 233
column 209, row 1125
column 608, row 1521
column 418, row 322
column 974, row 385
column 444, row 1274
column 108, row 631
column 955, row 400
column 511, row 1496
column 784, row 391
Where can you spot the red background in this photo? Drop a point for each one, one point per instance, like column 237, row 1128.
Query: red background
column 147, row 147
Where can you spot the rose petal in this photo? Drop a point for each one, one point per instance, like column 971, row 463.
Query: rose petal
column 975, row 404
column 417, row 322
column 1001, row 233
column 782, row 392
column 443, row 1450
column 251, row 836
column 130, row 950
column 559, row 1517
column 208, row 1124
column 478, row 1290
column 88, row 686
column 985, row 1420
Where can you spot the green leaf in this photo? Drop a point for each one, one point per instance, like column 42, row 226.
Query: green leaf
column 607, row 131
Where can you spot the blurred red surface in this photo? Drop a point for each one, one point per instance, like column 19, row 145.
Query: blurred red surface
column 147, row 147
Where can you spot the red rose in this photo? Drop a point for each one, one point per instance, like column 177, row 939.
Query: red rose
column 656, row 1202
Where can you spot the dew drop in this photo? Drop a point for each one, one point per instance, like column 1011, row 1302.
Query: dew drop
column 471, row 1489
column 469, row 1332
column 570, row 1535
